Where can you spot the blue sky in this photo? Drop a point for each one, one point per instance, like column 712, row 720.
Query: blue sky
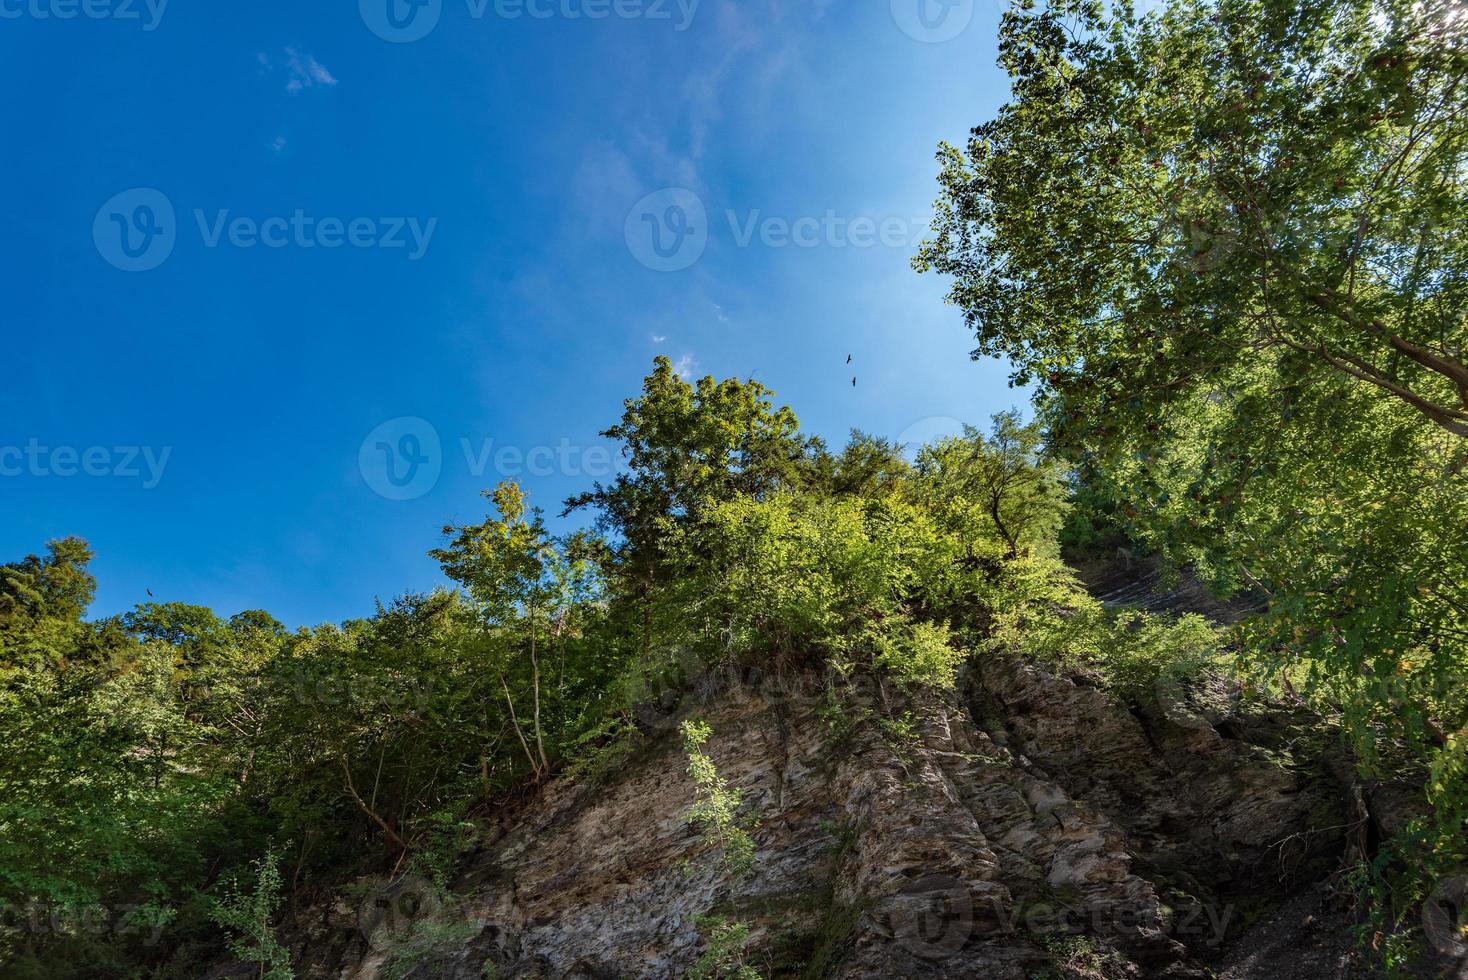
column 367, row 228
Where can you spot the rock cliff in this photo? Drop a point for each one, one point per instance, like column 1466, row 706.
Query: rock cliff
column 1026, row 826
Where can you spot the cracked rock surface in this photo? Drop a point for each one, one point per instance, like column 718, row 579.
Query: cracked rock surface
column 1027, row 826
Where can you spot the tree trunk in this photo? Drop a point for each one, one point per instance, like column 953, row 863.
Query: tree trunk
column 519, row 732
column 535, row 681
column 392, row 835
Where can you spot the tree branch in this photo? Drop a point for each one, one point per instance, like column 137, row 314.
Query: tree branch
column 392, row 835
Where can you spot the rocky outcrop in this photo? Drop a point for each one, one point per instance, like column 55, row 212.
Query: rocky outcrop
column 1028, row 826
column 1220, row 800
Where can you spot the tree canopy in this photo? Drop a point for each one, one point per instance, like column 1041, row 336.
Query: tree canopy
column 1174, row 202
column 1225, row 241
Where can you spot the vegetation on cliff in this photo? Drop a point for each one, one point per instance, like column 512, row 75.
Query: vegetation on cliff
column 168, row 752
column 1225, row 242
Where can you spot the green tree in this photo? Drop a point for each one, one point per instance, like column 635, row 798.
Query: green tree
column 1168, row 199
column 42, row 601
column 1225, row 240
column 717, row 805
column 869, row 466
column 250, row 914
column 1004, row 476
column 522, row 584
column 688, row 446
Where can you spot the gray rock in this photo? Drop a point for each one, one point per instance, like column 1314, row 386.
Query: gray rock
column 1070, row 835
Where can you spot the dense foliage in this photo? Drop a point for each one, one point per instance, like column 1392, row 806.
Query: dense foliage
column 1226, row 242
column 179, row 782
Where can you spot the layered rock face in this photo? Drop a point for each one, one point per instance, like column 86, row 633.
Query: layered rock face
column 1027, row 826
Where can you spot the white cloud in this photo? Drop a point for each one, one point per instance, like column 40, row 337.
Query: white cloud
column 684, row 366
column 304, row 70
column 658, row 338
column 277, row 144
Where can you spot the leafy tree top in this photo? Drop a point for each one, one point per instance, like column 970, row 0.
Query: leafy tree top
column 1168, row 198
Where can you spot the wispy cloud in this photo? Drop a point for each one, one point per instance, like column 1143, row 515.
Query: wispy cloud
column 759, row 49
column 277, row 144
column 303, row 70
column 306, row 72
column 658, row 338
column 747, row 70
column 685, row 366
